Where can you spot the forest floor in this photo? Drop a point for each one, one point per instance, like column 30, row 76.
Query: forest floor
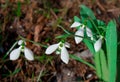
column 38, row 21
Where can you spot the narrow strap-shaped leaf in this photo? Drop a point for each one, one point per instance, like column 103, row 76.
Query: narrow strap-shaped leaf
column 18, row 12
column 81, row 60
column 76, row 19
column 98, row 64
column 86, row 12
column 90, row 46
column 104, row 66
column 111, row 45
column 101, row 65
column 63, row 36
column 118, row 59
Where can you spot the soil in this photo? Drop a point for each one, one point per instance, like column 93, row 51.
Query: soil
column 38, row 20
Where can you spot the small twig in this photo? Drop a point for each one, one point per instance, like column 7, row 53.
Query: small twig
column 51, row 10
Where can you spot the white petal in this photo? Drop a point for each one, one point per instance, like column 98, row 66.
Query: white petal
column 64, row 55
column 67, row 45
column 51, row 48
column 79, row 33
column 98, row 44
column 89, row 33
column 14, row 55
column 20, row 42
column 28, row 54
column 75, row 24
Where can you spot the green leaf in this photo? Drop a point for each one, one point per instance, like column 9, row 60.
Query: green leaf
column 88, row 18
column 81, row 60
column 16, row 71
column 118, row 59
column 98, row 65
column 111, row 45
column 63, row 36
column 101, row 65
column 104, row 66
column 90, row 46
column 18, row 12
column 100, row 22
column 89, row 24
column 86, row 12
column 76, row 19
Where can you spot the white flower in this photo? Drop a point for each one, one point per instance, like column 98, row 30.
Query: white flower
column 98, row 44
column 14, row 55
column 80, row 32
column 75, row 24
column 61, row 50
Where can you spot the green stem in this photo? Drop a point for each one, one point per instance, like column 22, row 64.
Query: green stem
column 10, row 50
column 67, row 32
column 42, row 45
column 95, row 26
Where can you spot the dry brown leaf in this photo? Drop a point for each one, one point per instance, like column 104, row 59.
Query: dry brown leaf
column 38, row 29
column 115, row 12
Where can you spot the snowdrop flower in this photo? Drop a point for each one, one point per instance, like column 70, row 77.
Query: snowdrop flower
column 98, row 44
column 60, row 48
column 80, row 32
column 14, row 55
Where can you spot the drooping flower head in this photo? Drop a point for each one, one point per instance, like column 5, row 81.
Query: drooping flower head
column 98, row 44
column 14, row 55
column 80, row 32
column 60, row 48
